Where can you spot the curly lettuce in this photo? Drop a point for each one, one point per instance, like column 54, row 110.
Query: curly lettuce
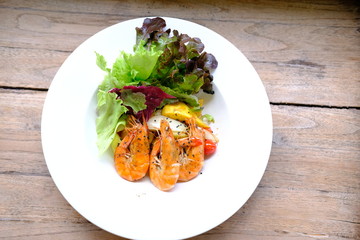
column 183, row 66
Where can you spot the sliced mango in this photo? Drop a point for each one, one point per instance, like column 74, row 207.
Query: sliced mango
column 200, row 123
column 180, row 111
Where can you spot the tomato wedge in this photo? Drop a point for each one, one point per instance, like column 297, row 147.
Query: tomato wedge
column 210, row 147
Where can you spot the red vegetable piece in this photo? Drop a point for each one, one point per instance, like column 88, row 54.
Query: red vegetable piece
column 210, row 147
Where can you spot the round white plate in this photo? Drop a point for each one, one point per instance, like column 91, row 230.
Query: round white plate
column 139, row 210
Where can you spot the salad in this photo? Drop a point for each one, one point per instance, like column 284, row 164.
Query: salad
column 148, row 111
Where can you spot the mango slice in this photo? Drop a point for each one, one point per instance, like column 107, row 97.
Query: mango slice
column 180, row 111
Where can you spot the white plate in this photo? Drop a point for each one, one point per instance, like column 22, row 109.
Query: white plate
column 139, row 210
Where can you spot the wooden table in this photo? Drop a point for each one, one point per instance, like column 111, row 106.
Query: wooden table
column 308, row 56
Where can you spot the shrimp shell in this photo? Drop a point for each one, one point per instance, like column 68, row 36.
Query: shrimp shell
column 192, row 157
column 164, row 159
column 132, row 155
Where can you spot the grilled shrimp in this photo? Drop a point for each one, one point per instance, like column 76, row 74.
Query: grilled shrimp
column 132, row 155
column 164, row 157
column 192, row 156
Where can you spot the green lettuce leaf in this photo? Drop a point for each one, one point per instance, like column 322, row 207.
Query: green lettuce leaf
column 142, row 62
column 129, row 68
column 135, row 100
column 191, row 100
column 191, row 83
column 209, row 118
column 121, row 71
column 111, row 118
column 101, row 62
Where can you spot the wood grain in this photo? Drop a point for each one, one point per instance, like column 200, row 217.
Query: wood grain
column 302, row 195
column 307, row 54
column 303, row 52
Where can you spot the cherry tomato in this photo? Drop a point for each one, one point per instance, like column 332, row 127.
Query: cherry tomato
column 210, row 147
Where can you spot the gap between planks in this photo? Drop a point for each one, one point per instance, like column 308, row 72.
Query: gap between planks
column 313, row 105
column 271, row 103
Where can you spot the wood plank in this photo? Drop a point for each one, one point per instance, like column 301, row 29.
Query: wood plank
column 41, row 212
column 300, row 59
column 18, row 230
column 302, row 195
column 49, row 30
column 20, row 140
column 29, row 68
column 227, row 10
column 305, row 52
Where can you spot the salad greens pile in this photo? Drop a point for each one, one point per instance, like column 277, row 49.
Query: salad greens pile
column 164, row 67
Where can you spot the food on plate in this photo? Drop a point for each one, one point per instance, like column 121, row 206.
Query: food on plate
column 192, row 157
column 180, row 111
column 164, row 159
column 132, row 153
column 148, row 109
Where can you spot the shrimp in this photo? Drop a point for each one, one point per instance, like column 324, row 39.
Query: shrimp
column 192, row 156
column 132, row 155
column 164, row 159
